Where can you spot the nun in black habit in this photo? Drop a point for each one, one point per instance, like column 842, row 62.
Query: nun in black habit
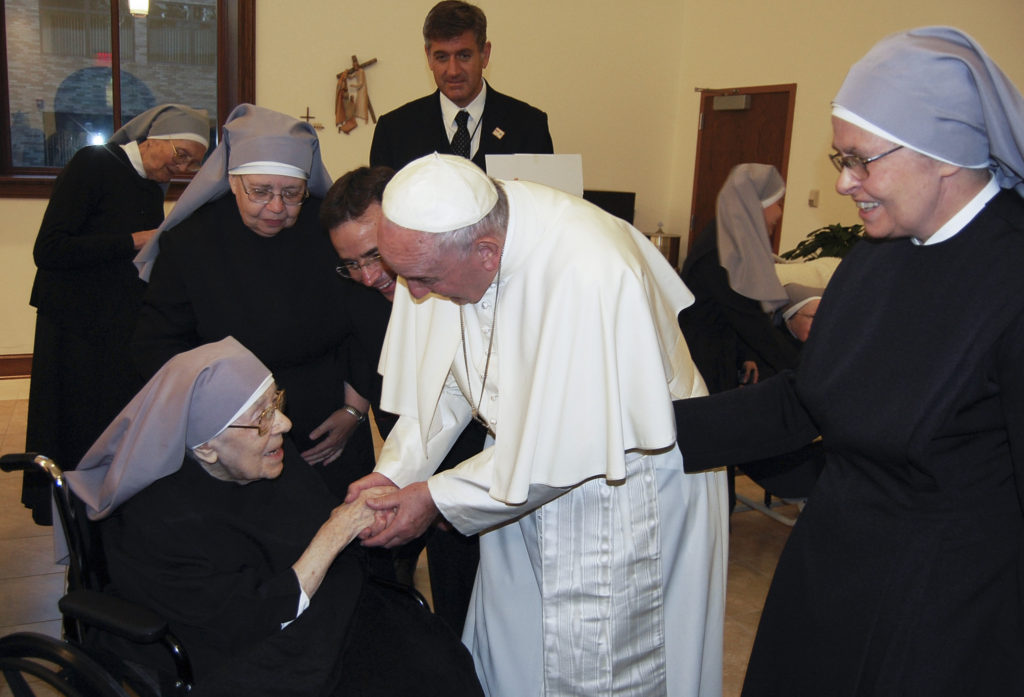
column 208, row 517
column 731, row 273
column 105, row 205
column 242, row 254
column 903, row 575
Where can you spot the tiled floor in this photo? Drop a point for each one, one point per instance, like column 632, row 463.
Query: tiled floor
column 30, row 582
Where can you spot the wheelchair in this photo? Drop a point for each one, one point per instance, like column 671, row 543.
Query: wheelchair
column 75, row 666
column 35, row 664
column 83, row 664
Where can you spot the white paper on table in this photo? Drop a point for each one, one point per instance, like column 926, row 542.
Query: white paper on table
column 564, row 172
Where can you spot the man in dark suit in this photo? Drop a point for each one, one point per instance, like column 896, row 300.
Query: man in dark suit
column 455, row 40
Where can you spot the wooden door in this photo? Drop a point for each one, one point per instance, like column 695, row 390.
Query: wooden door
column 751, row 124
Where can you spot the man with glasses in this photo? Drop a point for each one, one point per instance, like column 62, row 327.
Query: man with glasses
column 465, row 116
column 351, row 214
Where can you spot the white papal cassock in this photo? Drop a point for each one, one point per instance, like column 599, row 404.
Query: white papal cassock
column 602, row 565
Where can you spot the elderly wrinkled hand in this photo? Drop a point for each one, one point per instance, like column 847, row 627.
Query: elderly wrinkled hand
column 373, row 479
column 348, row 520
column 343, row 526
column 361, row 516
column 376, row 482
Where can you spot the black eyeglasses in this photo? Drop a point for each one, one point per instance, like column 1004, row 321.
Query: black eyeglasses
column 289, row 197
column 265, row 421
column 857, row 165
column 347, row 268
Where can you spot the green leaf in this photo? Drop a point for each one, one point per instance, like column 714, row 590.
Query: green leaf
column 830, row 241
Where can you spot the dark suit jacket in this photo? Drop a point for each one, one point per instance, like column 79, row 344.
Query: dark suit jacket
column 416, row 129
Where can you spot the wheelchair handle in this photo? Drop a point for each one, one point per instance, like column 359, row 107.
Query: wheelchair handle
column 13, row 462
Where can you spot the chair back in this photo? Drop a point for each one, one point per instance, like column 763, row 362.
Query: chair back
column 70, row 524
column 86, row 566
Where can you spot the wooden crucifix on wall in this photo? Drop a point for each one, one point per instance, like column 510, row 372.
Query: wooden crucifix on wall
column 308, row 118
column 351, row 98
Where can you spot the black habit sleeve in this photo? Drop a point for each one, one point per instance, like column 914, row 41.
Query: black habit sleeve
column 741, row 425
column 98, row 201
column 167, row 321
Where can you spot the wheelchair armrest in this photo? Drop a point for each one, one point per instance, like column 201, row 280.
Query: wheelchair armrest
column 12, row 462
column 115, row 615
column 129, row 621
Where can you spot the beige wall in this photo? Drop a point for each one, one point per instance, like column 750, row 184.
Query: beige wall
column 812, row 44
column 584, row 63
column 616, row 78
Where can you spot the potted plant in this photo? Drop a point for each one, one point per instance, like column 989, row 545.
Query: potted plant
column 830, row 241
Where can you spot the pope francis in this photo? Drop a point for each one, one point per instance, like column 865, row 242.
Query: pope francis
column 602, row 564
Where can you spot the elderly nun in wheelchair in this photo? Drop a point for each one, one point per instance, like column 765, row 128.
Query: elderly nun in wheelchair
column 209, row 517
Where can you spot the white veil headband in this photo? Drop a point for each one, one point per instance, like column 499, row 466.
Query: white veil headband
column 744, row 250
column 935, row 90
column 189, row 401
column 251, row 134
column 165, row 122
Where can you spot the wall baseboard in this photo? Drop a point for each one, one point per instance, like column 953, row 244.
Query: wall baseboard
column 16, row 365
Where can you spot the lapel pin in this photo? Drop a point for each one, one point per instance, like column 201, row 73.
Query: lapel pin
column 498, row 133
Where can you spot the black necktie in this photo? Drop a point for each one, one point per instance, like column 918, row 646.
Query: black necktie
column 460, row 141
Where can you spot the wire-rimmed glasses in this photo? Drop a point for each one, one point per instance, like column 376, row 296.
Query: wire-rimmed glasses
column 182, row 158
column 857, row 165
column 265, row 421
column 289, row 197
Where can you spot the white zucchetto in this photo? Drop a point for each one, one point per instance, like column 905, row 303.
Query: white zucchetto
column 439, row 193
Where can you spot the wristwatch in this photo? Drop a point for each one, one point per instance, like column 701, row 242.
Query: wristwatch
column 360, row 416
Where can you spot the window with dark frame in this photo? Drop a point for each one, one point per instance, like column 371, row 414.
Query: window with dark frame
column 79, row 29
column 69, row 80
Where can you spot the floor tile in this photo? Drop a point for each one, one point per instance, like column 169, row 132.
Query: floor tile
column 15, row 519
column 51, row 628
column 12, row 389
column 28, row 556
column 739, row 637
column 27, row 599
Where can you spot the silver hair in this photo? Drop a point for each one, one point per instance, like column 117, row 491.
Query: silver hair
column 461, row 241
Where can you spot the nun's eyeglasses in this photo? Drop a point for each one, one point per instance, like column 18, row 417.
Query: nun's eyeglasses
column 857, row 165
column 182, row 158
column 289, row 197
column 265, row 421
